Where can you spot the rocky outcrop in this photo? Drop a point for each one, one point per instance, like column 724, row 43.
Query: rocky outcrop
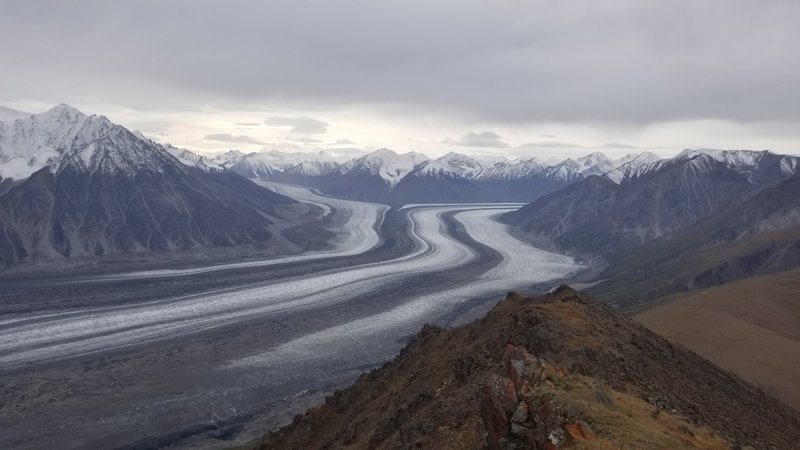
column 516, row 414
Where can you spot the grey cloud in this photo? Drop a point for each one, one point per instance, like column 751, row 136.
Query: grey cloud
column 344, row 142
column 560, row 144
column 622, row 145
column 304, row 140
column 499, row 62
column 485, row 139
column 233, row 138
column 299, row 125
column 549, row 144
column 247, row 124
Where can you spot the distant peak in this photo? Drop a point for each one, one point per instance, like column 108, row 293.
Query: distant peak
column 454, row 155
column 384, row 151
column 595, row 156
column 65, row 108
column 61, row 113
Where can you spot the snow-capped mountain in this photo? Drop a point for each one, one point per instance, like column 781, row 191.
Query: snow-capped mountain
column 640, row 158
column 377, row 175
column 451, row 165
column 632, row 166
column 757, row 166
column 594, row 164
column 646, row 198
column 415, row 157
column 273, row 162
column 387, row 176
column 59, row 136
column 64, row 137
column 189, row 158
column 86, row 187
column 383, row 163
column 227, row 158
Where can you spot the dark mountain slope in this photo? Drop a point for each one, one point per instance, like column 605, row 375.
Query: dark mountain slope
column 441, row 188
column 641, row 201
column 760, row 235
column 562, row 371
column 599, row 216
column 575, row 217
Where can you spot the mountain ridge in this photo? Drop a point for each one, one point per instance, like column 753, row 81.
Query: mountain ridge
column 387, row 176
column 757, row 236
column 598, row 215
column 557, row 371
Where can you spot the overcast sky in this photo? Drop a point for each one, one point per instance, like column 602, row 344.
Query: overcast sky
column 547, row 78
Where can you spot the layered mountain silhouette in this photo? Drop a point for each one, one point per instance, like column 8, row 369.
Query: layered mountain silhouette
column 612, row 213
column 388, row 177
column 757, row 236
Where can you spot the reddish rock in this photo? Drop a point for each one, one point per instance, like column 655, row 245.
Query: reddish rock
column 503, row 393
column 519, row 365
column 551, row 372
column 498, row 400
column 578, row 431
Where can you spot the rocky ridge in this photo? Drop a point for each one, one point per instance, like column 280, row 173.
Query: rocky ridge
column 560, row 371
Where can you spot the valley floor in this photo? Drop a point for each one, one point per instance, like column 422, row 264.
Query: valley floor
column 202, row 357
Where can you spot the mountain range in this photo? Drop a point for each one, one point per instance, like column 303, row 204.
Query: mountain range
column 388, row 177
column 612, row 213
column 75, row 187
column 756, row 236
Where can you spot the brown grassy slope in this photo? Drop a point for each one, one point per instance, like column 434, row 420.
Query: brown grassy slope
column 617, row 373
column 751, row 327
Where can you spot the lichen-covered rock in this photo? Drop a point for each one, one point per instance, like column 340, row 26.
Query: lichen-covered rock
column 498, row 401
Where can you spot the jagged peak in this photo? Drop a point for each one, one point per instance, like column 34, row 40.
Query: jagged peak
column 720, row 154
column 453, row 156
column 64, row 109
column 593, row 157
column 381, row 152
column 415, row 156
